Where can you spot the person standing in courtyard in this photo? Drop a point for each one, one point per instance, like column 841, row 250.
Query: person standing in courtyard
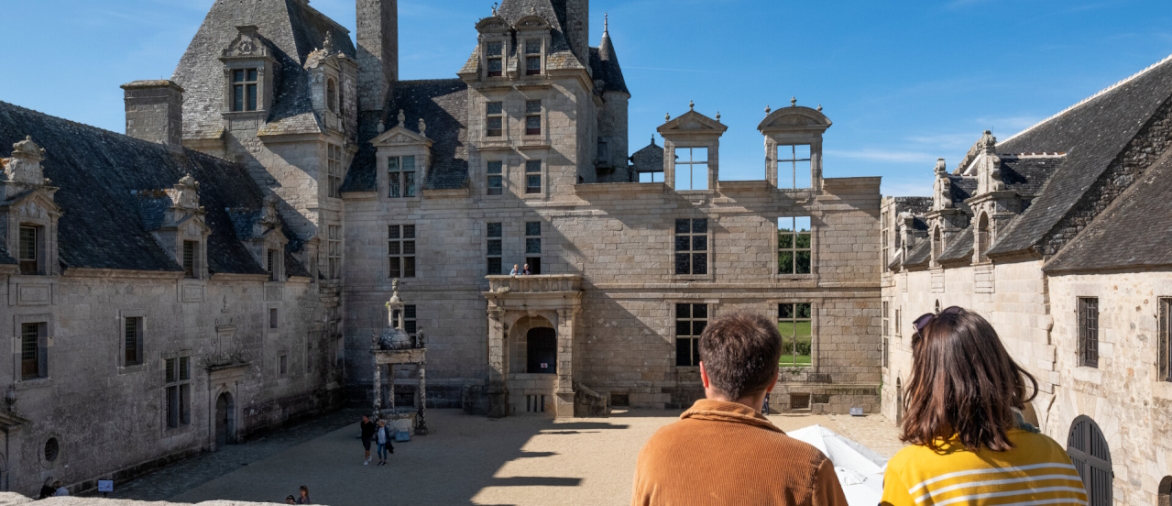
column 723, row 450
column 960, row 416
column 368, row 429
column 383, row 438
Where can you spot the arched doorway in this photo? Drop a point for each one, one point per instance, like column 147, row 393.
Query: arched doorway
column 898, row 401
column 541, row 351
column 1166, row 491
column 225, row 420
column 1091, row 456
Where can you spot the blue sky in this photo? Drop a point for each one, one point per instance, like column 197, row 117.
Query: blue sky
column 904, row 82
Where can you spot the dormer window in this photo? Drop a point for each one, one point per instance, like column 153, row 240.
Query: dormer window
column 532, row 57
column 495, row 119
column 401, row 176
column 796, row 158
column 495, row 54
column 244, row 90
column 332, row 95
column 190, row 253
column 691, row 168
column 30, row 245
column 272, row 264
column 533, row 117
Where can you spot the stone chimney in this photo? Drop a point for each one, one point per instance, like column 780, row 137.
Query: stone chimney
column 154, row 112
column 378, row 52
column 577, row 27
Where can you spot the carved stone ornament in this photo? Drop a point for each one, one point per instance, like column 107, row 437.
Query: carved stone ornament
column 247, row 44
column 185, row 193
column 25, row 165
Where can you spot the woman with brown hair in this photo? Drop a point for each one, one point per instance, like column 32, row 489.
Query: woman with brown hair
column 961, row 418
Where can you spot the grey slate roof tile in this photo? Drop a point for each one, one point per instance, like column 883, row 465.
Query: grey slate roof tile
column 103, row 178
column 961, row 247
column 1137, row 232
column 919, row 255
column 1092, row 134
column 442, row 103
column 1027, row 175
column 605, row 64
column 648, row 159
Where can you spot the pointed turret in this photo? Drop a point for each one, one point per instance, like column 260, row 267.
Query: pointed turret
column 608, row 68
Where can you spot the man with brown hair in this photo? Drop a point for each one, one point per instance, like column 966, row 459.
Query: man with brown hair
column 723, row 450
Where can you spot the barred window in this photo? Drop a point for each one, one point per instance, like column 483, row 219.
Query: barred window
column 496, row 179
column 409, row 320
column 177, row 389
column 795, row 323
column 691, row 319
column 533, row 177
column 495, row 54
column 400, row 176
column 691, row 248
column 273, row 264
column 533, row 246
column 132, row 341
column 794, row 252
column 494, row 119
column 190, row 250
column 1088, row 331
column 495, row 236
column 401, row 251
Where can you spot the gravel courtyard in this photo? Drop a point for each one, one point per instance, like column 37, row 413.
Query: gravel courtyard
column 465, row 460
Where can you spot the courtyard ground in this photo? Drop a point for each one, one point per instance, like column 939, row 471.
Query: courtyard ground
column 465, row 460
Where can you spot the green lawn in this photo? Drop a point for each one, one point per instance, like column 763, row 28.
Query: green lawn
column 795, row 333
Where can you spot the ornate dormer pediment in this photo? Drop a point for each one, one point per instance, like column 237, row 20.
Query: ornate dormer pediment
column 400, row 135
column 247, row 44
column 493, row 24
column 326, row 54
column 36, row 205
column 532, row 23
column 795, row 118
column 692, row 122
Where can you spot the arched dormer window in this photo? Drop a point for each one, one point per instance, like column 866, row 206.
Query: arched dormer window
column 332, row 94
column 983, row 238
column 937, row 245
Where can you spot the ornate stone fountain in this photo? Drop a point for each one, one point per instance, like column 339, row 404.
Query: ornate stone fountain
column 394, row 346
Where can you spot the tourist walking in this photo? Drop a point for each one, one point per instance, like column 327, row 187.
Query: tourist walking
column 47, row 489
column 303, row 495
column 960, row 414
column 367, row 428
column 723, row 450
column 385, row 447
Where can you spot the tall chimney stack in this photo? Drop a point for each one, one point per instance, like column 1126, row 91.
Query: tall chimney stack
column 154, row 112
column 378, row 51
column 577, row 28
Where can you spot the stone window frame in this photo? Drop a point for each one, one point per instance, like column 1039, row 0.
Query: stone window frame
column 489, row 56
column 541, row 42
column 1089, row 331
column 543, row 173
column 333, row 98
column 421, row 151
column 673, row 309
column 504, row 177
column 334, row 248
column 793, row 163
column 44, row 350
column 816, row 304
column 401, row 229
column 406, row 191
column 710, row 233
column 31, row 263
column 691, row 164
column 529, row 255
column 796, row 319
column 124, row 366
column 813, row 247
column 242, row 79
column 1164, row 330
column 42, row 216
column 487, row 253
column 534, row 109
column 335, row 170
column 491, row 113
column 177, row 382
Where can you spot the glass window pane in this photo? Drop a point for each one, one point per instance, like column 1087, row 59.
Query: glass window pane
column 494, row 247
column 408, row 231
column 408, row 247
column 803, row 310
column 409, row 184
column 682, row 226
column 696, row 351
column 533, row 107
column 495, row 107
column 698, row 327
column 699, row 263
column 533, row 47
column 393, row 248
column 494, row 266
column 533, row 184
column 494, row 229
column 533, row 246
column 785, row 311
column 394, row 267
column 238, row 98
column 683, row 310
column 494, row 49
column 495, row 185
column 251, row 97
column 393, row 231
column 392, row 163
column 683, row 263
column 533, row 123
column 699, row 243
column 495, row 167
column 408, row 163
column 699, row 226
column 533, row 228
column 252, row 74
column 683, row 352
column 237, row 76
column 682, row 243
column 699, row 310
column 533, row 166
column 409, row 267
column 683, row 328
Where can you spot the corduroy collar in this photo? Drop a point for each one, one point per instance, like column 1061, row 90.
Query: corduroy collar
column 721, row 411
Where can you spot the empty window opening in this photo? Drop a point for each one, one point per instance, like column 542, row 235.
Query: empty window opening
column 796, row 159
column 332, row 95
column 533, row 246
column 401, row 251
column 190, row 249
column 272, row 264
column 495, row 235
column 494, row 119
column 691, row 247
column 795, row 324
column 33, row 351
column 691, row 320
column 794, row 245
column 541, row 348
column 274, row 318
column 335, row 251
column 1088, row 331
column 620, row 400
column 691, row 169
column 983, row 238
column 284, row 364
column 244, row 90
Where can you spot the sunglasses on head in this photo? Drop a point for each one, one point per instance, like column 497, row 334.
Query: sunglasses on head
column 927, row 318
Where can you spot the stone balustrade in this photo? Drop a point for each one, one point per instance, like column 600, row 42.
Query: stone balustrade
column 535, row 284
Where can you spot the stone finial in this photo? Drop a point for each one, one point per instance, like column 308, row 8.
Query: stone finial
column 382, row 127
column 185, row 193
column 494, row 9
column 793, row 101
column 941, row 167
column 691, row 105
column 268, row 215
column 667, row 117
column 768, row 110
column 394, row 305
column 328, row 44
column 188, row 181
column 422, row 127
column 25, row 165
column 402, row 118
column 605, row 22
column 717, row 115
column 988, row 142
column 819, row 107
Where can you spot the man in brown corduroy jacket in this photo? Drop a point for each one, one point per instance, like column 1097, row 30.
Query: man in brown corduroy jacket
column 723, row 450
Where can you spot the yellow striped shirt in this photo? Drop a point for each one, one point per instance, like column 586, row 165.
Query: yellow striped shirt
column 1036, row 471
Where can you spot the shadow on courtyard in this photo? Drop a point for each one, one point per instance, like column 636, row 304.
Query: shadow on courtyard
column 465, row 460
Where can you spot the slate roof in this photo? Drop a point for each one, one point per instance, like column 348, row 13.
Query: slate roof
column 962, row 189
column 1091, row 133
column 961, row 247
column 292, row 30
column 1027, row 175
column 561, row 55
column 648, row 159
column 914, row 205
column 103, row 177
column 920, row 254
column 442, row 103
column 1133, row 233
column 605, row 65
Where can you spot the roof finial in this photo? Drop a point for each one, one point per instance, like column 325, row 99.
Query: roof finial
column 692, row 105
column 768, row 110
column 494, row 8
column 667, row 116
column 606, row 22
column 652, row 139
column 793, row 101
column 819, row 107
column 402, row 118
column 717, row 115
column 422, row 127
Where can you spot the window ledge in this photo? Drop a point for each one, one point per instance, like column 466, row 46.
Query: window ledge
column 692, row 277
column 131, row 369
column 30, row 384
column 177, row 431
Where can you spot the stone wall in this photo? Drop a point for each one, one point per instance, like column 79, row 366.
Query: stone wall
column 109, row 418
